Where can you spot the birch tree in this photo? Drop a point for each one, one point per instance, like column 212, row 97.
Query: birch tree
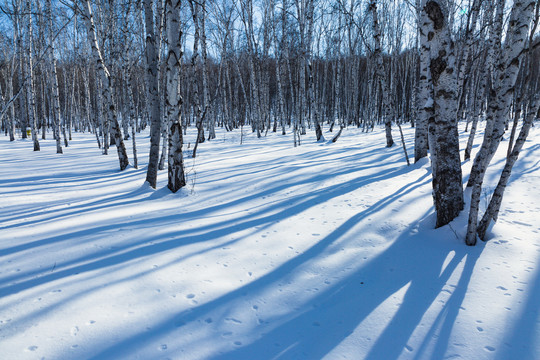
column 154, row 109
column 106, row 91
column 200, row 113
column 30, row 94
column 425, row 89
column 444, row 145
column 389, row 108
column 174, row 101
column 53, row 80
column 505, row 72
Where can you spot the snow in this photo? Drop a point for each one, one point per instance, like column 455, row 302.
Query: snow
column 319, row 251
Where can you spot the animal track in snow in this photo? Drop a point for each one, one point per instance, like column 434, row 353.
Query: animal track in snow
column 74, row 331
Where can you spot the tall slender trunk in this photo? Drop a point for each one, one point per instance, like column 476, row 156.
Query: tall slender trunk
column 247, row 20
column 174, row 101
column 54, row 81
column 106, row 93
column 424, row 90
column 12, row 122
column 30, row 94
column 506, row 73
column 389, row 108
column 153, row 94
column 199, row 113
column 204, row 55
column 492, row 211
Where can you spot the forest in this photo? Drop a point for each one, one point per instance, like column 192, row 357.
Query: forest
column 115, row 67
column 269, row 179
column 292, row 65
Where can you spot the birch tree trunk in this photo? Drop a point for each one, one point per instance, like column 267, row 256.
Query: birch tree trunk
column 388, row 105
column 466, row 60
column 246, row 15
column 126, row 70
column 106, row 91
column 312, row 107
column 487, row 61
column 30, row 94
column 279, row 72
column 506, row 72
column 54, row 81
column 445, row 159
column 12, row 122
column 337, row 85
column 204, row 53
column 174, row 101
column 492, row 211
column 199, row 113
column 153, row 94
column 424, row 89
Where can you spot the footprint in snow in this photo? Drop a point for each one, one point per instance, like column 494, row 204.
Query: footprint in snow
column 489, row 348
column 74, row 331
column 32, row 348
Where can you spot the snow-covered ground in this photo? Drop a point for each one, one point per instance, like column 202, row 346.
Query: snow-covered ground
column 270, row 252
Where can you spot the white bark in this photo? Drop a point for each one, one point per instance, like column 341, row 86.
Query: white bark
column 446, row 163
column 174, row 101
column 54, row 81
column 492, row 211
column 506, row 72
column 30, row 94
column 388, row 105
column 153, row 94
column 106, row 92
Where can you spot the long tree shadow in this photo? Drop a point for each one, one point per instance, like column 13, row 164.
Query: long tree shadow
column 268, row 215
column 347, row 303
column 140, row 195
column 341, row 310
column 265, row 216
column 134, row 197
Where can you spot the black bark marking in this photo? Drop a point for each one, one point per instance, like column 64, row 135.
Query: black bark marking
column 437, row 66
column 445, row 94
column 435, row 14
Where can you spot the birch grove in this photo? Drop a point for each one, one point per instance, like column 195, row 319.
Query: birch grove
column 307, row 69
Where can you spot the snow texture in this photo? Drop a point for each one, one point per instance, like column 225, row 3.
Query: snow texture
column 270, row 252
